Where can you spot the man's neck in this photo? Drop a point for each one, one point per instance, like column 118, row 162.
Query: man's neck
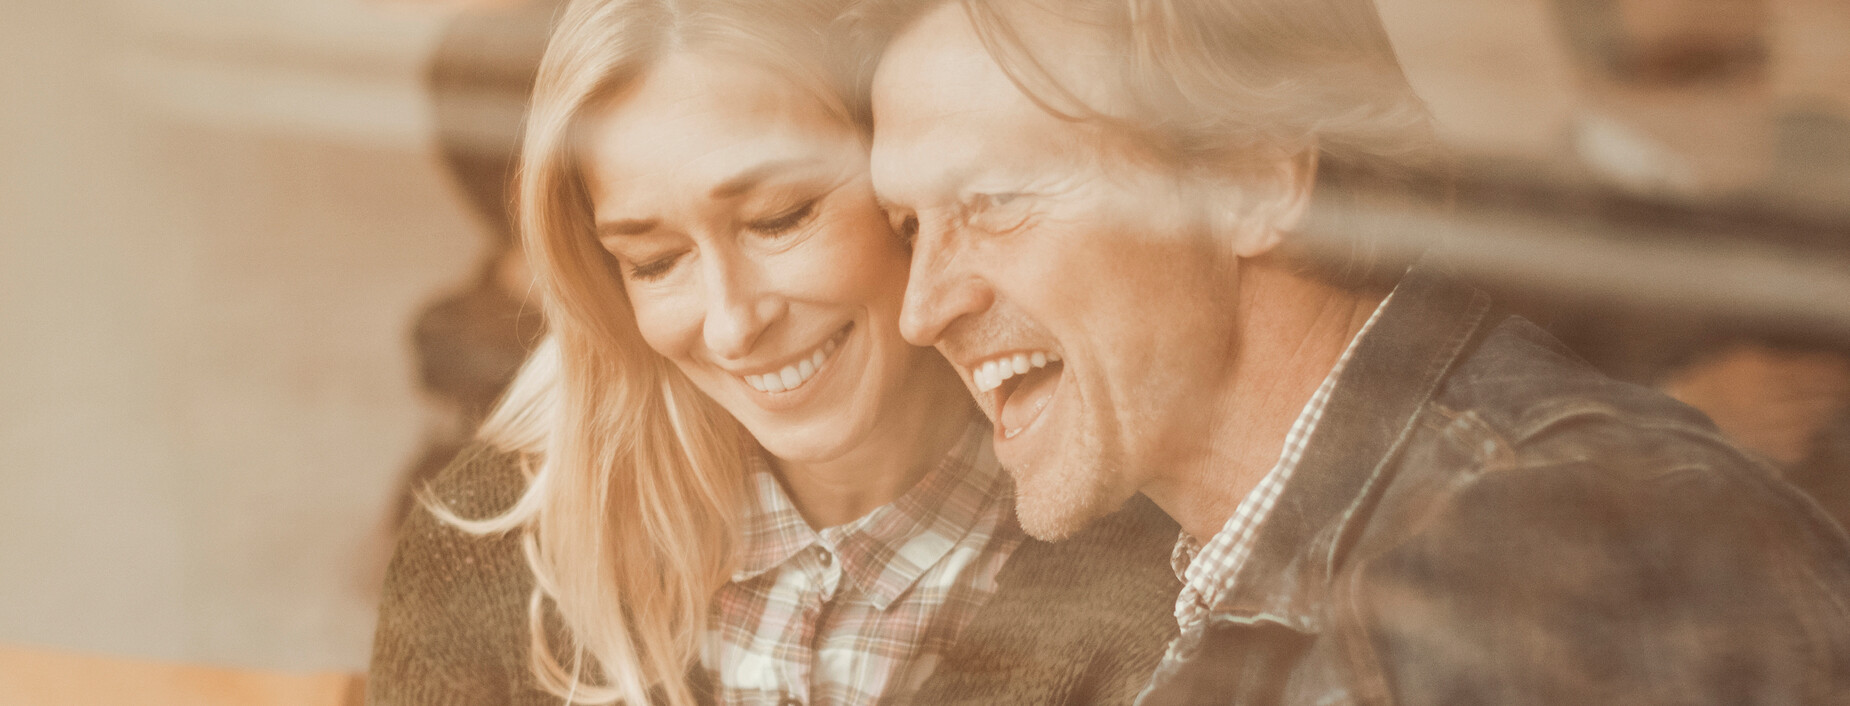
column 1293, row 330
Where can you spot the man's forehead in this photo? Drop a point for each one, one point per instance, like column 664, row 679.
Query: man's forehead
column 937, row 90
column 942, row 50
column 935, row 82
column 934, row 63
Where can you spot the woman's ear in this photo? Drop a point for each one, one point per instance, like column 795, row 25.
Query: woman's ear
column 1267, row 203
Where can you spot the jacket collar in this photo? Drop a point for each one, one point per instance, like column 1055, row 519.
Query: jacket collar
column 1423, row 331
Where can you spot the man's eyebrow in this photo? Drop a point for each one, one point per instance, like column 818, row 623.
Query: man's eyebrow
column 745, row 180
column 947, row 184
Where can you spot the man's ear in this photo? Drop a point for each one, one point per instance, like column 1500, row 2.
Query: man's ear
column 1271, row 201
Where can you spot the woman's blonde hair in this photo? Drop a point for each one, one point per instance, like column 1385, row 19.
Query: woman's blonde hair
column 635, row 478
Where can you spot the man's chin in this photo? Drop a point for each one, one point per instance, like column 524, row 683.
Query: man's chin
column 1049, row 527
column 1053, row 514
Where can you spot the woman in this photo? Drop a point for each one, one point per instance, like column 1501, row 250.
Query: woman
column 724, row 375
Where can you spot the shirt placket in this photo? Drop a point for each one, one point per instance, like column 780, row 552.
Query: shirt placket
column 822, row 575
column 825, row 566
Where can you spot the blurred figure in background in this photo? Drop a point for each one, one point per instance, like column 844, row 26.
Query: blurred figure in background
column 1676, row 100
column 1678, row 116
column 470, row 342
column 1678, row 104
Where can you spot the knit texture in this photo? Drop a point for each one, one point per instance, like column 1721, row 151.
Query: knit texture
column 1082, row 621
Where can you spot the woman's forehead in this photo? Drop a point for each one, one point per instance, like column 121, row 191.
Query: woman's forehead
column 696, row 125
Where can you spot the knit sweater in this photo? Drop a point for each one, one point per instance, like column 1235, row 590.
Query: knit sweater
column 1080, row 621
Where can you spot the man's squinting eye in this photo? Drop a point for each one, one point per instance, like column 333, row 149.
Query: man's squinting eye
column 786, row 221
column 998, row 212
column 983, row 202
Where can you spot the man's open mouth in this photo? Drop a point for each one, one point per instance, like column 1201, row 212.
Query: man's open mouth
column 1019, row 386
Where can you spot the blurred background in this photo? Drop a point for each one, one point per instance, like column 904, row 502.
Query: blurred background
column 255, row 281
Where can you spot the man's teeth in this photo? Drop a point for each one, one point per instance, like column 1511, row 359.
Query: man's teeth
column 989, row 375
column 795, row 374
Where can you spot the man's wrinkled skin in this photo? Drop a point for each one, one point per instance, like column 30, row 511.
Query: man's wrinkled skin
column 1478, row 517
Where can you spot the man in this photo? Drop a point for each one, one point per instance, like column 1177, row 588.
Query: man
column 1388, row 493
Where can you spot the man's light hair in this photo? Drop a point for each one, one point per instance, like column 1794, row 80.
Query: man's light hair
column 1212, row 82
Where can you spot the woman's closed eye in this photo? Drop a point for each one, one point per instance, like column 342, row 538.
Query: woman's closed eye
column 785, row 222
column 654, row 268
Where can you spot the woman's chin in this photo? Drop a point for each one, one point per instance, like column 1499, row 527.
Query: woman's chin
column 804, row 447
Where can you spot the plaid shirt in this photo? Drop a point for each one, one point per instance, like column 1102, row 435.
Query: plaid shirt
column 1208, row 571
column 858, row 613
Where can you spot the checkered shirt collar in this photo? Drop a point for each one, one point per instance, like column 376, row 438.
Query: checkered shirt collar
column 885, row 551
column 1208, row 570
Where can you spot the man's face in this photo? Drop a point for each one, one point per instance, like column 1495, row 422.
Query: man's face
column 1071, row 282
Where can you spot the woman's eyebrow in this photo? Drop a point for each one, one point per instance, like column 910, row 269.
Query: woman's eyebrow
column 626, row 226
column 748, row 178
column 740, row 183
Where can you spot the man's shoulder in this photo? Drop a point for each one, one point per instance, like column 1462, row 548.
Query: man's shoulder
column 1523, row 384
column 1523, row 428
column 1540, row 499
column 1543, row 510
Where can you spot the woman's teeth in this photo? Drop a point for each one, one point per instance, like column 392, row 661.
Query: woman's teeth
column 794, row 375
column 989, row 375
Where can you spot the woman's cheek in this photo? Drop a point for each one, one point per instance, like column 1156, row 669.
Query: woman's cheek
column 670, row 326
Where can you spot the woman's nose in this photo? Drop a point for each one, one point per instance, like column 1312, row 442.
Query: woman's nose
column 739, row 309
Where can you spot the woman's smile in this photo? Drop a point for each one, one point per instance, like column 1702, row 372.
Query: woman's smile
column 785, row 382
column 737, row 210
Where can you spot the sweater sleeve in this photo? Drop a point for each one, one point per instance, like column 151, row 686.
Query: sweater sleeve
column 452, row 619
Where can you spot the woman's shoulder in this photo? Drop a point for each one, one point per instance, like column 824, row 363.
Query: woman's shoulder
column 482, row 481
column 436, row 556
column 452, row 619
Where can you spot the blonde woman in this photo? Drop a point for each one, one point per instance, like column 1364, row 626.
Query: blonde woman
column 725, row 478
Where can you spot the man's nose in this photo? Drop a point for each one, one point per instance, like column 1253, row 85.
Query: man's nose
column 738, row 308
column 940, row 289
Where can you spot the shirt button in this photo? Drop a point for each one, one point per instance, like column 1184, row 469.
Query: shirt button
column 827, row 557
column 789, row 701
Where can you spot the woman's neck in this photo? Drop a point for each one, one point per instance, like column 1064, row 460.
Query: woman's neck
column 894, row 457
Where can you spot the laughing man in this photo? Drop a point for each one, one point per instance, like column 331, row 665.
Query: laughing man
column 1389, row 493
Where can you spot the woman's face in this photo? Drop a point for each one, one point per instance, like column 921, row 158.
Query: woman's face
column 749, row 243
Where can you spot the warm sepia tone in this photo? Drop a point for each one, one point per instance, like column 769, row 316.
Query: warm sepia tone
column 258, row 284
